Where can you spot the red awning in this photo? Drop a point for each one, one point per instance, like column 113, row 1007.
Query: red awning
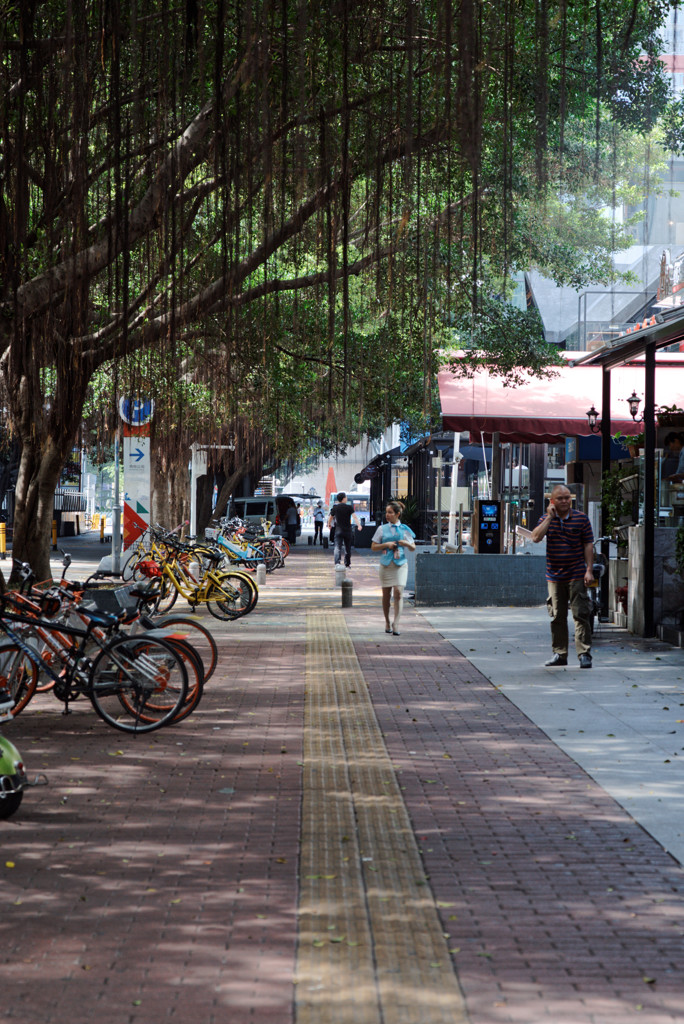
column 549, row 410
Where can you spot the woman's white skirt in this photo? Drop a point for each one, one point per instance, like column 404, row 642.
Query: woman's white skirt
column 393, row 575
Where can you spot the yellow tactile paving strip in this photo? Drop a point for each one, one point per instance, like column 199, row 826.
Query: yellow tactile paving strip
column 320, row 572
column 370, row 947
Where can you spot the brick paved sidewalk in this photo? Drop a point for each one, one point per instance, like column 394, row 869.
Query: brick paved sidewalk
column 157, row 878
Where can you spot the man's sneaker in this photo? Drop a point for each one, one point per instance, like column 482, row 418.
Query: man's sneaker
column 585, row 660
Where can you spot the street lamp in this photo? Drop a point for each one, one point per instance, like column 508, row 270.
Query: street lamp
column 633, row 403
column 594, row 422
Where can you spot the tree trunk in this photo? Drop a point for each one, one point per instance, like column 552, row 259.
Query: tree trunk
column 231, row 483
column 170, row 493
column 46, row 433
column 205, row 491
column 38, row 477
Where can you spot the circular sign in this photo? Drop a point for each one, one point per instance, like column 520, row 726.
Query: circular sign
column 136, row 410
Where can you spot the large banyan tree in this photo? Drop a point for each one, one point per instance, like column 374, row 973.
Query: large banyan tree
column 265, row 200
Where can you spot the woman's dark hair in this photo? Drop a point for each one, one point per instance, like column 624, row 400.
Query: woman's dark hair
column 396, row 506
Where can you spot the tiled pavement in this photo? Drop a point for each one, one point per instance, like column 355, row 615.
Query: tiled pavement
column 352, row 828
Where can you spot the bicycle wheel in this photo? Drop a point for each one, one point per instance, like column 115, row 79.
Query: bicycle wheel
column 195, row 671
column 196, row 679
column 194, row 632
column 230, row 595
column 270, row 555
column 138, row 684
column 166, row 597
column 249, row 581
column 128, row 568
column 18, row 674
column 133, row 565
column 44, row 682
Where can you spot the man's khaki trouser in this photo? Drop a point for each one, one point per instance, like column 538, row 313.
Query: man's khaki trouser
column 574, row 594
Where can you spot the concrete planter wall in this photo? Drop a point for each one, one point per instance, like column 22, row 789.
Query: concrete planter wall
column 668, row 586
column 474, row 581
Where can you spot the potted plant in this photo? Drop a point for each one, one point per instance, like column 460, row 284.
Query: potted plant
column 679, row 550
column 633, row 442
column 619, row 503
column 411, row 511
column 670, row 416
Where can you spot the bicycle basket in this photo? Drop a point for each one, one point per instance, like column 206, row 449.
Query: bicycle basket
column 149, row 568
column 50, row 604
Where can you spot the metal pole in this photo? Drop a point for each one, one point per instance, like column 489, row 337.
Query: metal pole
column 194, row 448
column 503, row 493
column 439, row 510
column 649, row 479
column 495, row 491
column 605, row 469
column 454, row 481
column 116, row 512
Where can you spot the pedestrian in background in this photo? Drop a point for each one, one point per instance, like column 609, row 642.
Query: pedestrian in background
column 672, row 468
column 291, row 520
column 319, row 519
column 341, row 515
column 569, row 571
column 393, row 539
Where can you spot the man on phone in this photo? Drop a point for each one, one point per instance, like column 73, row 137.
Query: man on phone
column 569, row 571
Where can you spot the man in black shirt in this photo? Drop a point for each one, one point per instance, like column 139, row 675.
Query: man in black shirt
column 341, row 515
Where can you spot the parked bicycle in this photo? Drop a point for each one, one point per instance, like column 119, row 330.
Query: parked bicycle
column 149, row 545
column 192, row 572
column 599, row 568
column 134, row 683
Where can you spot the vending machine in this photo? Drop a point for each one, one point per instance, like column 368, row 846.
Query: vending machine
column 486, row 527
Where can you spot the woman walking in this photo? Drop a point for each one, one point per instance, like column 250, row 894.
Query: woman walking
column 393, row 538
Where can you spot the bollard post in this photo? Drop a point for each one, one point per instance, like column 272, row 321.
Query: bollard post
column 54, row 534
column 3, row 540
column 102, row 528
column 347, row 589
column 261, row 575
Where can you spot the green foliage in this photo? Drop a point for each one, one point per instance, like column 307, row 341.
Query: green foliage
column 618, row 503
column 672, row 126
column 629, row 440
column 273, row 217
column 679, row 550
column 411, row 512
column 668, row 414
column 507, row 341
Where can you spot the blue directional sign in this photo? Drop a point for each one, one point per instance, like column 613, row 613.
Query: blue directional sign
column 136, row 410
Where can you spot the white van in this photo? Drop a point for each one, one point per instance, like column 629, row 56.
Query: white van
column 272, row 508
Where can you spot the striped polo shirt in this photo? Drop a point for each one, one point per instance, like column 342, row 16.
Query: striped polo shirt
column 565, row 540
